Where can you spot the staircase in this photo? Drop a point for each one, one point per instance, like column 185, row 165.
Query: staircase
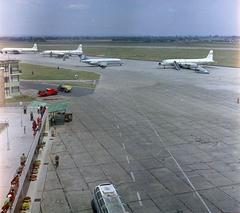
column 176, row 65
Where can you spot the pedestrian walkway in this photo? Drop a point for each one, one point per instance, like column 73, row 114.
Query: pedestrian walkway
column 15, row 139
column 35, row 189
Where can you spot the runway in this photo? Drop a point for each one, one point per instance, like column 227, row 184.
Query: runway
column 167, row 139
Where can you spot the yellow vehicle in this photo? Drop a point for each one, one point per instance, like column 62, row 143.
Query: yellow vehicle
column 64, row 88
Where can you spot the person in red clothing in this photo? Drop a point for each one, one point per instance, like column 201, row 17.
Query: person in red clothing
column 34, row 125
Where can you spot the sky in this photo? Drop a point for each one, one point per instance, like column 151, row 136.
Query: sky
column 119, row 17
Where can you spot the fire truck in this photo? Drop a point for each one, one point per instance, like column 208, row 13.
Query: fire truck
column 48, row 91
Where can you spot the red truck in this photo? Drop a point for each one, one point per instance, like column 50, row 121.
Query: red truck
column 48, row 91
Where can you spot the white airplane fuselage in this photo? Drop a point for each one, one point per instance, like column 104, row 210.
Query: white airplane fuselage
column 188, row 63
column 61, row 52
column 104, row 60
column 78, row 51
column 20, row 50
column 171, row 62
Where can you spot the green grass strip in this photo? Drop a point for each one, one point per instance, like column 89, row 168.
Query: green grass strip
column 53, row 73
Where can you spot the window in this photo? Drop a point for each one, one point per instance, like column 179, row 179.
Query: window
column 14, row 67
column 7, row 91
column 6, row 67
column 15, row 78
column 97, row 189
column 6, row 79
column 15, row 89
column 104, row 209
column 102, row 203
column 99, row 195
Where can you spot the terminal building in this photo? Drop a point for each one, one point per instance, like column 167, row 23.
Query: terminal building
column 11, row 75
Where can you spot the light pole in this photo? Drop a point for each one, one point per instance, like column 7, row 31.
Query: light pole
column 21, row 114
column 8, row 143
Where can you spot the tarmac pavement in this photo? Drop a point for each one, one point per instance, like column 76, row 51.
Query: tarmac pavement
column 167, row 139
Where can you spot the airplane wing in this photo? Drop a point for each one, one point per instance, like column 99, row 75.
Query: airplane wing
column 102, row 64
column 188, row 65
column 15, row 51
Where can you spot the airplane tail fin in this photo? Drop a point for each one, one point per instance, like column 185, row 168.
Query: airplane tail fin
column 210, row 55
column 79, row 48
column 35, row 46
column 82, row 57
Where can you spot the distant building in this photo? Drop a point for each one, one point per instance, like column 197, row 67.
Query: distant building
column 11, row 77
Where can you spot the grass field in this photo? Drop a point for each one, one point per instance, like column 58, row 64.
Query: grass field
column 53, row 73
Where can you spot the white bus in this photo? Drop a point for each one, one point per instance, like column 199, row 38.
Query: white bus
column 106, row 199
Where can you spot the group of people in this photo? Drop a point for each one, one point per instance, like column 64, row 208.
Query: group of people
column 36, row 124
column 41, row 110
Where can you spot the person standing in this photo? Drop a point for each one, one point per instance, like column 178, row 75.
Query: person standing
column 23, row 159
column 56, row 161
column 25, row 109
column 41, row 113
column 34, row 125
column 31, row 116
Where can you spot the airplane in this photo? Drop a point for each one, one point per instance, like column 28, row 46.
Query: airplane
column 103, row 62
column 78, row 51
column 189, row 63
column 19, row 50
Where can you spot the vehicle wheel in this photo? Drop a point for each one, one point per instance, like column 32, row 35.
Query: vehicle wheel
column 65, row 90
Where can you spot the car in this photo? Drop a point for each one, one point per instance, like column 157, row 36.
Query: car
column 64, row 88
column 106, row 199
column 48, row 91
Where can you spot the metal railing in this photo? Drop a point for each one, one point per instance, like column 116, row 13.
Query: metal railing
column 28, row 162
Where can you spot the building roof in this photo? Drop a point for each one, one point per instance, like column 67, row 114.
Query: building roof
column 8, row 61
column 54, row 107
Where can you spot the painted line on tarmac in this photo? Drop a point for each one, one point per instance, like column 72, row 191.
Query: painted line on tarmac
column 127, row 159
column 133, row 177
column 139, row 199
column 118, row 127
column 160, row 139
column 120, row 134
column 123, row 146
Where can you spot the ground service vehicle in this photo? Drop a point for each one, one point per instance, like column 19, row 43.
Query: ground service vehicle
column 64, row 88
column 106, row 199
column 48, row 91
